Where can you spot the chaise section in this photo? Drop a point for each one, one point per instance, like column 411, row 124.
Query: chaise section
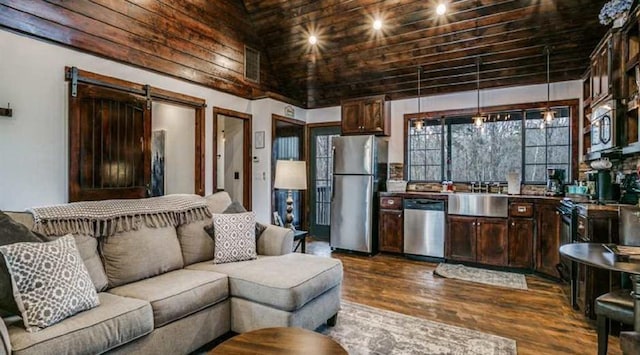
column 118, row 320
column 177, row 294
column 289, row 290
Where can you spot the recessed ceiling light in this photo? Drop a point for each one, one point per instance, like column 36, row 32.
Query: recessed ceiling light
column 441, row 9
column 313, row 39
column 377, row 24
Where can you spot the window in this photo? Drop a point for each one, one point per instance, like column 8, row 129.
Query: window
column 453, row 148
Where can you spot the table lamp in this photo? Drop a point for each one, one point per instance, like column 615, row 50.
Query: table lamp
column 290, row 175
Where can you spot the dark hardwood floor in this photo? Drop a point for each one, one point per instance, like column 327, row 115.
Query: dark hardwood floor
column 540, row 319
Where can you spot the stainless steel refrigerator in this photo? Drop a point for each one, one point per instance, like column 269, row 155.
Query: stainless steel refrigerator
column 360, row 168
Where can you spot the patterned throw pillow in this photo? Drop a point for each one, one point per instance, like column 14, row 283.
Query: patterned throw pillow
column 49, row 280
column 236, row 207
column 235, row 237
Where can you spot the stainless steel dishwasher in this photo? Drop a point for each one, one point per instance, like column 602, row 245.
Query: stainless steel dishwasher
column 424, row 227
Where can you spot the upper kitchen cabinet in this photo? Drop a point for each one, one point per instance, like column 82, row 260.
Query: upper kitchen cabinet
column 605, row 69
column 367, row 115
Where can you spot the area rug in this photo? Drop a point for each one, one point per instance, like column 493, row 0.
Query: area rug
column 483, row 276
column 366, row 330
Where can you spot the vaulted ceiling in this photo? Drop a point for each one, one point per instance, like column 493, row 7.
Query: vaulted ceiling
column 351, row 59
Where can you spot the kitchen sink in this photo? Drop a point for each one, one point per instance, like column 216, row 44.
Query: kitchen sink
column 479, row 204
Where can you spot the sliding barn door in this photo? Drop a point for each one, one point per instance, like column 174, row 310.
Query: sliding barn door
column 109, row 144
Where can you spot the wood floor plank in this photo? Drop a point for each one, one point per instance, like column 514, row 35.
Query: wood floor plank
column 539, row 319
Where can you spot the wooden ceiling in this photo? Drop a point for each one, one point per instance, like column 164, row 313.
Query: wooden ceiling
column 351, row 60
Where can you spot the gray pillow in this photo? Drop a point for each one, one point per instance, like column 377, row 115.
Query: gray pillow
column 12, row 232
column 236, row 207
column 50, row 281
column 234, row 237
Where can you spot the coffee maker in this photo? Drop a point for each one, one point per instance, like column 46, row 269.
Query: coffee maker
column 555, row 182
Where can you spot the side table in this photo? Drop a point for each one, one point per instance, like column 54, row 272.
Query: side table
column 300, row 237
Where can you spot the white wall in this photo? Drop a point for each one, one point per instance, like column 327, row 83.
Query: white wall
column 467, row 99
column 34, row 142
column 180, row 124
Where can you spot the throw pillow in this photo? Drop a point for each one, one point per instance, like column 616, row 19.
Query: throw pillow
column 234, row 237
column 236, row 207
column 49, row 281
column 12, row 232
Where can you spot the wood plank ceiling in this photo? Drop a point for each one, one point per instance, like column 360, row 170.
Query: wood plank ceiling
column 203, row 41
column 350, row 60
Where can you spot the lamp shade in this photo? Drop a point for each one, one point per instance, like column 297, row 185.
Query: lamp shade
column 291, row 175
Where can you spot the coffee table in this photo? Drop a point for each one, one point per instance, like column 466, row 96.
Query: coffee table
column 284, row 341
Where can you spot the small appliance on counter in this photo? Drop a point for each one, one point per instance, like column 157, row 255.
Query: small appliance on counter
column 630, row 190
column 513, row 183
column 555, row 182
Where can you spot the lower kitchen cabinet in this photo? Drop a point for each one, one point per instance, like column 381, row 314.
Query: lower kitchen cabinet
column 548, row 240
column 481, row 240
column 491, row 241
column 391, row 231
column 461, row 240
column 521, row 243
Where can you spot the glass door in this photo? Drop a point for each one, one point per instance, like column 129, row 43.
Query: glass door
column 321, row 168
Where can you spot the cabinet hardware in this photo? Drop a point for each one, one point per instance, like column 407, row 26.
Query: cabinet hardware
column 513, row 224
column 390, row 202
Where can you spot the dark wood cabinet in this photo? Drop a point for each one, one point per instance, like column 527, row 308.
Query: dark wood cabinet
column 548, row 239
column 391, row 225
column 520, row 241
column 368, row 115
column 491, row 241
column 461, row 240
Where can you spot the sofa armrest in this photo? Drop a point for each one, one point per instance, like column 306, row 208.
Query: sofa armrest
column 5, row 344
column 275, row 241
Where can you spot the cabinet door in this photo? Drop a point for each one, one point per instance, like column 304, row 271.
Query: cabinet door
column 461, row 241
column 373, row 116
column 390, row 234
column 351, row 120
column 521, row 243
column 548, row 240
column 595, row 78
column 604, row 71
column 491, row 241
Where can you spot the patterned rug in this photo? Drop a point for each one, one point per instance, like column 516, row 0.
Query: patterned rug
column 366, row 330
column 483, row 276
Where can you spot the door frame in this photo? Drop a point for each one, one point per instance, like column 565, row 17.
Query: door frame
column 246, row 152
column 308, row 128
column 303, row 199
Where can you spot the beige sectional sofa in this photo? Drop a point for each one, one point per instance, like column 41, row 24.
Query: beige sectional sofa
column 160, row 293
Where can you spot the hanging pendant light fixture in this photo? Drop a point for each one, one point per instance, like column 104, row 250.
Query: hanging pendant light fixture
column 548, row 114
column 478, row 119
column 418, row 124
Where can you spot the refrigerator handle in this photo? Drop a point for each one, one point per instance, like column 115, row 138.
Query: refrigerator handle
column 333, row 170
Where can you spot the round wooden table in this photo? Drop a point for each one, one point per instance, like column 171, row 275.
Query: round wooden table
column 284, row 341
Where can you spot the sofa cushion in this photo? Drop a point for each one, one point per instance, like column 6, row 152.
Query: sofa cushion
column 177, row 294
column 135, row 255
column 234, row 237
column 50, row 281
column 118, row 320
column 195, row 243
column 285, row 282
column 88, row 248
column 218, row 202
column 11, row 232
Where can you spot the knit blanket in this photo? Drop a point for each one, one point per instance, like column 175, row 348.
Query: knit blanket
column 106, row 218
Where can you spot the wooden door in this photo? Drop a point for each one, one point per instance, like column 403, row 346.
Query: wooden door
column 461, row 241
column 351, row 117
column 373, row 116
column 109, row 139
column 491, row 241
column 521, row 243
column 391, row 231
column 548, row 240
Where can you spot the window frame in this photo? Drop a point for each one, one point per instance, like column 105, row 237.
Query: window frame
column 442, row 116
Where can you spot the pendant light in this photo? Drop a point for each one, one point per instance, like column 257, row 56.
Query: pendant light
column 478, row 119
column 418, row 124
column 548, row 114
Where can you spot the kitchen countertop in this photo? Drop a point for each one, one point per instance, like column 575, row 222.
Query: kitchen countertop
column 445, row 195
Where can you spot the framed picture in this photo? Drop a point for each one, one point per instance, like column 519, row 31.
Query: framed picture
column 277, row 220
column 259, row 139
column 158, row 138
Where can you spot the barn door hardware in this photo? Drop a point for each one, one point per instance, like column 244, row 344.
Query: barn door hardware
column 6, row 112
